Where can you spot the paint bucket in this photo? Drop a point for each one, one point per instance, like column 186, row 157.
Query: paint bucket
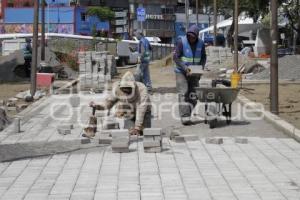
column 235, row 79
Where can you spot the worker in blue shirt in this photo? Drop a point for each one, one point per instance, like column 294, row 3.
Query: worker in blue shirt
column 144, row 49
column 190, row 50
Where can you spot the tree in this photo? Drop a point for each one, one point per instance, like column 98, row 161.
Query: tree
column 291, row 10
column 252, row 8
column 102, row 13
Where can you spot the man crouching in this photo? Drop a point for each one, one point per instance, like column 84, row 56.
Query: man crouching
column 131, row 101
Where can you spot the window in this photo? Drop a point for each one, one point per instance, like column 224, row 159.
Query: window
column 83, row 17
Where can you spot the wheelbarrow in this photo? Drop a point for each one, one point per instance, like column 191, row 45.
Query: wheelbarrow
column 218, row 102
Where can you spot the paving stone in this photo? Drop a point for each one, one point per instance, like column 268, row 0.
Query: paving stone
column 179, row 139
column 214, row 140
column 152, row 132
column 153, row 150
column 85, row 141
column 174, row 133
column 120, row 150
column 191, row 138
column 119, row 133
column 241, row 140
column 74, row 101
column 64, row 131
column 104, row 139
column 65, row 126
column 110, row 123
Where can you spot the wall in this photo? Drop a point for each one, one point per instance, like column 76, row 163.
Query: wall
column 86, row 27
column 57, row 19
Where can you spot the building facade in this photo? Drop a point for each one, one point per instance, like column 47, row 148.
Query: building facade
column 160, row 18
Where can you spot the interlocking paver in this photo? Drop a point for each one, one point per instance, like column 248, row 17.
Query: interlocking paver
column 262, row 169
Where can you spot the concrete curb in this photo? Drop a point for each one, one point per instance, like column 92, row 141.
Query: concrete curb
column 275, row 120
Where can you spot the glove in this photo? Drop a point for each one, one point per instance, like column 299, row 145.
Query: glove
column 98, row 107
column 188, row 71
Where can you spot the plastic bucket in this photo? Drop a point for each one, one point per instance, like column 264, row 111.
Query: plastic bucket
column 235, row 79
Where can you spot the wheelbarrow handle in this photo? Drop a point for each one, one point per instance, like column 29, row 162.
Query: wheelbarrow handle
column 94, row 111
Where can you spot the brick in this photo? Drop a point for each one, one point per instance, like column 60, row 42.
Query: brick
column 179, row 139
column 153, row 150
column 105, row 140
column 174, row 133
column 152, row 131
column 214, row 140
column 241, row 140
column 120, row 150
column 191, row 138
column 85, row 141
column 74, row 101
column 66, row 126
column 122, row 144
column 120, row 133
column 125, row 123
column 152, row 144
column 110, row 124
column 64, row 131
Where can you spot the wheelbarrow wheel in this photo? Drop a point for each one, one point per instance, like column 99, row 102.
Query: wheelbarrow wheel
column 228, row 121
column 212, row 123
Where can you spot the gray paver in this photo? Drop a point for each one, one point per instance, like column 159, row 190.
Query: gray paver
column 261, row 169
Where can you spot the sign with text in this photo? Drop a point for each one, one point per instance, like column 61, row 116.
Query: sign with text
column 141, row 14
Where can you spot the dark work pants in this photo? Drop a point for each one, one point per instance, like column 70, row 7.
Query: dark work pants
column 27, row 66
column 187, row 99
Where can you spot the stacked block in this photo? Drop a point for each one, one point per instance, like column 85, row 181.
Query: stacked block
column 95, row 68
column 120, row 141
column 152, row 140
column 110, row 123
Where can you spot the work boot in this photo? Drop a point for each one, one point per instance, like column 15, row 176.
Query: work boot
column 186, row 121
column 89, row 132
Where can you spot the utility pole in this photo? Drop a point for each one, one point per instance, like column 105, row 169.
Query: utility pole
column 34, row 47
column 187, row 20
column 236, row 34
column 197, row 11
column 43, row 32
column 274, row 59
column 215, row 22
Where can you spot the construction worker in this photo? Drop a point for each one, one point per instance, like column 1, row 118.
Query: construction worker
column 131, row 101
column 190, row 50
column 144, row 49
column 27, row 51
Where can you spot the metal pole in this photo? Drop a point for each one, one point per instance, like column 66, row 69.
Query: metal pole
column 236, row 33
column 197, row 11
column 274, row 58
column 187, row 15
column 43, row 32
column 215, row 22
column 34, row 47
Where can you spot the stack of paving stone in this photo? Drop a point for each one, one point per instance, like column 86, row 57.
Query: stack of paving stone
column 120, row 141
column 152, row 140
column 95, row 68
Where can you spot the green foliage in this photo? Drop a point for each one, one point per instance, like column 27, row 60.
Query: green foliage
column 102, row 13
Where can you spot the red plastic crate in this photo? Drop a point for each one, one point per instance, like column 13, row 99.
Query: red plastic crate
column 44, row 79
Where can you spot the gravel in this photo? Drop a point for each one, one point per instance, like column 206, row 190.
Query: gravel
column 288, row 68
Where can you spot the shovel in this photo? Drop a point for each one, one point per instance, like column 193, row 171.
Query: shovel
column 91, row 130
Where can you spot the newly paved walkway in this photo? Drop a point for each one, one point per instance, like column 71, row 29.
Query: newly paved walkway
column 262, row 169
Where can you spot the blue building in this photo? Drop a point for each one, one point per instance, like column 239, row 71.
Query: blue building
column 60, row 17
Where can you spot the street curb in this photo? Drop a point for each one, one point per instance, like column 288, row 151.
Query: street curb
column 275, row 120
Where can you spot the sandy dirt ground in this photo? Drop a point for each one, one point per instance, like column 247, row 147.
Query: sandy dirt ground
column 8, row 90
column 289, row 100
